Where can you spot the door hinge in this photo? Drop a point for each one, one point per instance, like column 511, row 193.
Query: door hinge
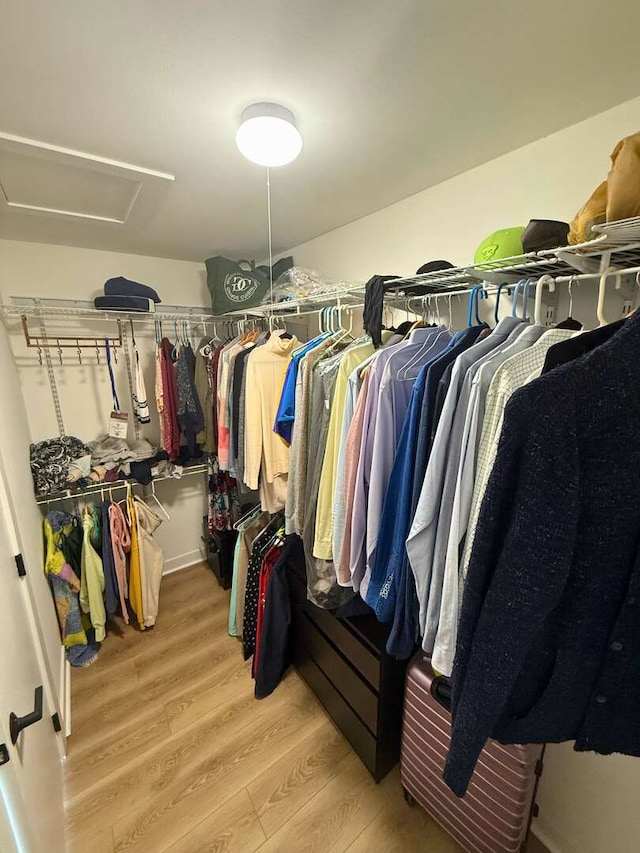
column 22, row 569
column 535, row 810
column 4, row 754
column 57, row 725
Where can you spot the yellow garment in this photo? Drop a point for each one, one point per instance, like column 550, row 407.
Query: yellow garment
column 323, row 541
column 92, row 581
column 135, row 571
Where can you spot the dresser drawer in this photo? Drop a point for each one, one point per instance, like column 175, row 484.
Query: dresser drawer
column 360, row 655
column 342, row 714
column 345, row 679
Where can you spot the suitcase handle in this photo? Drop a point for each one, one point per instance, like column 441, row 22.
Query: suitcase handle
column 441, row 691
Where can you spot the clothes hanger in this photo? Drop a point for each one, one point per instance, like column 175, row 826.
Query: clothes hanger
column 472, row 296
column 496, row 315
column 481, row 294
column 537, row 311
column 254, row 511
column 157, row 500
column 602, row 292
column 525, row 311
column 514, row 303
column 425, row 348
column 570, row 323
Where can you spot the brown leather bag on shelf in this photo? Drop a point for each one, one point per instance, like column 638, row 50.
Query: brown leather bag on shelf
column 616, row 198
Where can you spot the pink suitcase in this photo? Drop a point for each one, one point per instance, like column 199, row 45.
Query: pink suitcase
column 495, row 814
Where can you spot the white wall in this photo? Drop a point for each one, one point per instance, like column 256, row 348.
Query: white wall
column 549, row 179
column 47, row 271
column 588, row 803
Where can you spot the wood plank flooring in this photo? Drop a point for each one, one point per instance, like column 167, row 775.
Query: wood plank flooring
column 171, row 752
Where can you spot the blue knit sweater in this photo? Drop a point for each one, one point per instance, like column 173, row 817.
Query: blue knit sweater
column 549, row 638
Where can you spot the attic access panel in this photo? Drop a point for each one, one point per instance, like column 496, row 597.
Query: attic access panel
column 44, row 179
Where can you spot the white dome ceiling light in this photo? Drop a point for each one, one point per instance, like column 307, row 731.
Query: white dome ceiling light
column 268, row 135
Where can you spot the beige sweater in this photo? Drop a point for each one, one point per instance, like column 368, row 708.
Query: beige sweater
column 265, row 452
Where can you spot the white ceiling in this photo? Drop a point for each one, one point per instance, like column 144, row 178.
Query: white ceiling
column 391, row 97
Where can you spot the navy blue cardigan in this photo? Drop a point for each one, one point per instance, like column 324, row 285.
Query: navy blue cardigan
column 549, row 637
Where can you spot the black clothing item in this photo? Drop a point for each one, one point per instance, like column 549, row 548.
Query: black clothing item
column 420, row 289
column 373, row 303
column 190, row 415
column 123, row 303
column 50, row 462
column 548, row 647
column 252, row 591
column 275, row 645
column 71, row 547
column 566, row 351
column 545, row 234
column 111, row 593
column 571, row 324
column 404, row 328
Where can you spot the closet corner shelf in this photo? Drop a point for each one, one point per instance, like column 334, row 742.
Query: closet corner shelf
column 617, row 245
column 96, row 488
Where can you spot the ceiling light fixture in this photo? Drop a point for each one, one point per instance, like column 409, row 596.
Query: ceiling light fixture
column 268, row 135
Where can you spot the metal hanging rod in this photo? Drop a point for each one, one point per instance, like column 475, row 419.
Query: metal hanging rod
column 118, row 484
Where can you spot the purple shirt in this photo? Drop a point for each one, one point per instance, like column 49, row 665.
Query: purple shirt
column 382, row 423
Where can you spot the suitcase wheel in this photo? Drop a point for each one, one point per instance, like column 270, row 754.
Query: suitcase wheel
column 408, row 798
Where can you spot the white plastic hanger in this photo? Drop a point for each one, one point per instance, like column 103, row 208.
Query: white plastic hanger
column 157, row 500
column 602, row 292
column 537, row 312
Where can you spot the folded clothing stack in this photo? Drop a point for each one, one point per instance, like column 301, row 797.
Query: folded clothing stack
column 122, row 294
column 52, row 462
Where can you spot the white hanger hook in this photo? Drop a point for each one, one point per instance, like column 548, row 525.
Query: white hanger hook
column 602, row 292
column 537, row 313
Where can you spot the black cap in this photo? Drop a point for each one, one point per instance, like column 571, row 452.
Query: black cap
column 544, row 234
column 434, row 266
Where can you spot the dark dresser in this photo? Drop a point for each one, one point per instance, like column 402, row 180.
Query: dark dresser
column 344, row 662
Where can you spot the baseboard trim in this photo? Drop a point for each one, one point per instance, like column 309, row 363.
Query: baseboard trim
column 65, row 692
column 553, row 840
column 183, row 561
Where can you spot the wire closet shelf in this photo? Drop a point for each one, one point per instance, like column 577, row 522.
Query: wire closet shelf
column 616, row 247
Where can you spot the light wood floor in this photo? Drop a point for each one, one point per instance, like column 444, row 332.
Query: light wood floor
column 171, row 752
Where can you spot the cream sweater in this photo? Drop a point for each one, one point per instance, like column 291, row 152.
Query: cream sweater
column 265, row 452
